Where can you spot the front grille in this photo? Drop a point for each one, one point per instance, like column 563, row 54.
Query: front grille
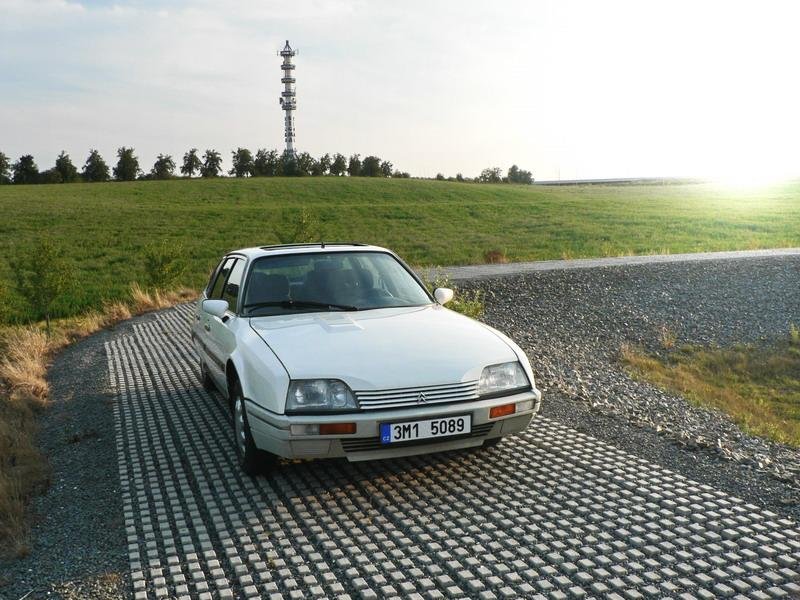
column 417, row 396
column 374, row 443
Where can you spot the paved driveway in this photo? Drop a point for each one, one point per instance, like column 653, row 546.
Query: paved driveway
column 551, row 512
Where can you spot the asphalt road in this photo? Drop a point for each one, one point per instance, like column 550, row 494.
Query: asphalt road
column 469, row 272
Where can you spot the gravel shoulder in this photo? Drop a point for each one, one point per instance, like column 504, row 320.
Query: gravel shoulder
column 78, row 548
column 572, row 324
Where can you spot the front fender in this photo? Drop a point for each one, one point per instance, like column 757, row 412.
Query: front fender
column 523, row 358
column 263, row 378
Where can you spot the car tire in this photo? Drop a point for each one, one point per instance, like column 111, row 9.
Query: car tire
column 251, row 460
column 492, row 442
column 205, row 378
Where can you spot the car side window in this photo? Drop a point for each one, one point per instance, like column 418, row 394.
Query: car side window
column 213, row 277
column 234, row 284
column 216, row 291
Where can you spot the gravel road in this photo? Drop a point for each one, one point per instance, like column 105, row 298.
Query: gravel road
column 573, row 323
column 613, row 468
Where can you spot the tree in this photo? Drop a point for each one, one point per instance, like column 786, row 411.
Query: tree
column 371, row 167
column 288, row 165
column 401, row 175
column 354, row 165
column 51, row 176
column 325, row 164
column 386, row 168
column 212, row 164
column 267, row 163
column 305, row 164
column 163, row 168
column 163, row 265
column 127, row 168
column 95, row 168
column 339, row 165
column 242, row 163
column 459, row 178
column 5, row 165
column 439, row 177
column 191, row 163
column 490, row 175
column 42, row 276
column 25, row 170
column 64, row 166
column 316, row 168
column 517, row 175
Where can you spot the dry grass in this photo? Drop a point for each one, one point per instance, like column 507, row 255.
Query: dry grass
column 666, row 337
column 103, row 585
column 24, row 360
column 23, row 470
column 115, row 312
column 494, row 257
column 25, row 353
column 145, row 300
column 757, row 386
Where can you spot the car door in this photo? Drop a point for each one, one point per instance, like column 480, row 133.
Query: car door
column 221, row 331
column 199, row 316
column 204, row 321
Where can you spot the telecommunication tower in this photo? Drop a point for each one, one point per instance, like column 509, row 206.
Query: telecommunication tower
column 288, row 97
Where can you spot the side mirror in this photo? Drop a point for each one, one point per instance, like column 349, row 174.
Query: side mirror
column 217, row 308
column 443, row 295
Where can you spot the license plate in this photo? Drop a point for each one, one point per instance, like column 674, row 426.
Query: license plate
column 429, row 428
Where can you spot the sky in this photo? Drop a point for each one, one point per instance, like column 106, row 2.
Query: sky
column 566, row 89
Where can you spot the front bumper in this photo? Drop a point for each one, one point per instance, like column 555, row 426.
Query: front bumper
column 271, row 432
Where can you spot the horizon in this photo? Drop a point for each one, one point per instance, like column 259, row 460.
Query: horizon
column 576, row 92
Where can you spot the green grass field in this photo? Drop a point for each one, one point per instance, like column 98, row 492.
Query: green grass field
column 103, row 228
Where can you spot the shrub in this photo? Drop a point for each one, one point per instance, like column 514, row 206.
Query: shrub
column 467, row 302
column 162, row 265
column 42, row 276
column 299, row 227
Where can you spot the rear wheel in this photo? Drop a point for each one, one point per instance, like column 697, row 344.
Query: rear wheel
column 491, row 443
column 251, row 460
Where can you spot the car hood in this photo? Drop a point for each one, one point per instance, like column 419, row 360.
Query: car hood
column 384, row 348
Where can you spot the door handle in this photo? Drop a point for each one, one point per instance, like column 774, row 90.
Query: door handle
column 207, row 327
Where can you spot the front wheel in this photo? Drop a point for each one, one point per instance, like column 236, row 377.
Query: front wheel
column 205, row 377
column 490, row 443
column 251, row 460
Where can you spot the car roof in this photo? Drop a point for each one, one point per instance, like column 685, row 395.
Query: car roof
column 276, row 249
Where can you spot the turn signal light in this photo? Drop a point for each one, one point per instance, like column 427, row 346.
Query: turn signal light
column 337, row 428
column 502, row 411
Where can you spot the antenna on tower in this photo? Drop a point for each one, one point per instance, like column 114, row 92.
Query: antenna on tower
column 288, row 99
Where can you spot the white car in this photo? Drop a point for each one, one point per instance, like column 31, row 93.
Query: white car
column 339, row 350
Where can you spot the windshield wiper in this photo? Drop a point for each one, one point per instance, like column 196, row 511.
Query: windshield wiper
column 301, row 304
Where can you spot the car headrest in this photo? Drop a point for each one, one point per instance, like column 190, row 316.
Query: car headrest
column 267, row 288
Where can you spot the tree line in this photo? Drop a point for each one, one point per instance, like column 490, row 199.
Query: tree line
column 494, row 175
column 265, row 163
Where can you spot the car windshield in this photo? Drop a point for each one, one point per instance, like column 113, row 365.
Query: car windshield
column 332, row 281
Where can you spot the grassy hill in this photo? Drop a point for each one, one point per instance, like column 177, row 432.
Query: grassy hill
column 103, row 228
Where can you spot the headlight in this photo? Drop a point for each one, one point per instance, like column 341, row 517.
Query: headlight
column 501, row 378
column 319, row 394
